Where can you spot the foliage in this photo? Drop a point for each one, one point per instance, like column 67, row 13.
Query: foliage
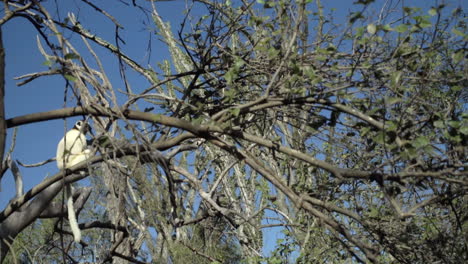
column 350, row 135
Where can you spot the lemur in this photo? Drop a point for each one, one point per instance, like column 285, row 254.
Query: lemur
column 71, row 150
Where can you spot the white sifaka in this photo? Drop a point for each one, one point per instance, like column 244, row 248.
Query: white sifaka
column 71, row 150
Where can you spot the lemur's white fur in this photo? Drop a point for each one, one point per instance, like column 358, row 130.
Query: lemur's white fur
column 71, row 214
column 72, row 150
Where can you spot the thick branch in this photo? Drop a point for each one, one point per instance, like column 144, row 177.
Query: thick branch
column 113, row 112
column 204, row 130
column 80, row 197
column 16, row 221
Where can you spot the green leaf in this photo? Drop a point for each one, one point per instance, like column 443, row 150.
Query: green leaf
column 371, row 28
column 439, row 124
column 269, row 4
column 69, row 77
column 464, row 129
column 359, row 31
column 235, row 112
column 454, row 138
column 386, row 27
column 456, row 88
column 70, row 56
column 238, row 63
column 411, row 10
column 230, row 76
column 365, row 131
column 229, row 95
column 401, row 28
column 454, row 124
column 458, row 32
column 420, row 142
column 432, row 11
column 425, row 24
column 429, row 150
column 391, row 126
column 374, row 213
column 380, row 138
column 393, row 100
column 409, row 153
column 396, row 77
column 458, row 56
column 47, row 63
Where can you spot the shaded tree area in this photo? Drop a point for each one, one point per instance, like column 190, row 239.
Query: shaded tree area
column 351, row 135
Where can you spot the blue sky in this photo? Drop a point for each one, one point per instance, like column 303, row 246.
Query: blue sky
column 37, row 142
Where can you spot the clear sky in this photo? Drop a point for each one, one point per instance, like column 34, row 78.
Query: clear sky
column 37, row 142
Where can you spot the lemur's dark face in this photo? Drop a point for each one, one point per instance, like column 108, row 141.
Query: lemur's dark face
column 82, row 126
